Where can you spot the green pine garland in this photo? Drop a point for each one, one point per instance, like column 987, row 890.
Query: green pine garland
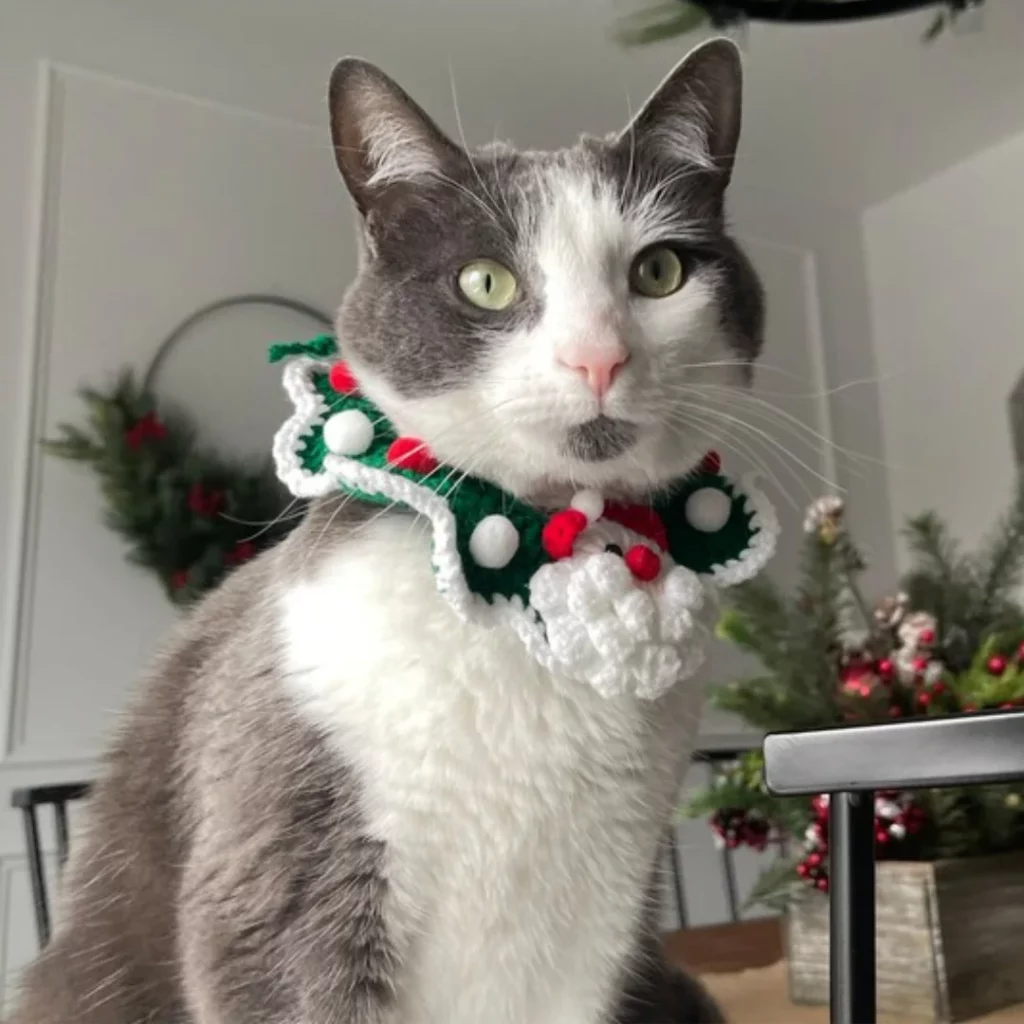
column 815, row 674
column 187, row 514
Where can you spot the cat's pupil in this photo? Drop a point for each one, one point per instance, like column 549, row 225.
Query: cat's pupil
column 488, row 283
column 656, row 270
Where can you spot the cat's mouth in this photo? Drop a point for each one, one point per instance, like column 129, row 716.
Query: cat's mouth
column 600, row 439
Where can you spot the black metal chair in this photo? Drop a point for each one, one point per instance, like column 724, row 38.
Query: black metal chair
column 851, row 764
column 29, row 800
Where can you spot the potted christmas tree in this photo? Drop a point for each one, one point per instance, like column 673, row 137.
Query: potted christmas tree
column 950, row 886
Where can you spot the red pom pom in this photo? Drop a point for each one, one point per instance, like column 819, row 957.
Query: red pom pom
column 996, row 665
column 643, row 563
column 342, row 380
column 560, row 532
column 640, row 519
column 412, row 454
column 711, row 463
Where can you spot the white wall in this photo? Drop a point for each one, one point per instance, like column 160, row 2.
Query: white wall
column 946, row 267
column 154, row 160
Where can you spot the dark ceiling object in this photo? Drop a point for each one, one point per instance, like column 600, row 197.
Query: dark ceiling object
column 809, row 12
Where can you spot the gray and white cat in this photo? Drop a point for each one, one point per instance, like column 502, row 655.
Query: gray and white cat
column 335, row 802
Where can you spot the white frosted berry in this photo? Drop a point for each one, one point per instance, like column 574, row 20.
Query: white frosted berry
column 708, row 509
column 494, row 542
column 590, row 503
column 348, row 432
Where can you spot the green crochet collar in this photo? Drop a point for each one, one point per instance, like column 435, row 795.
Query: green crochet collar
column 599, row 593
column 704, row 521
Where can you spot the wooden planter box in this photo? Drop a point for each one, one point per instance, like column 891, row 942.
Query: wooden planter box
column 950, row 938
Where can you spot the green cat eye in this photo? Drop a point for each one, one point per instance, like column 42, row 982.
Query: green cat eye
column 488, row 284
column 657, row 272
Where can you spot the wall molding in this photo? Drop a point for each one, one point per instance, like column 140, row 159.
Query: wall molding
column 45, row 195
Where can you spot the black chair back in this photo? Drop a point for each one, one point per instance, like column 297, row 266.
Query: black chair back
column 29, row 800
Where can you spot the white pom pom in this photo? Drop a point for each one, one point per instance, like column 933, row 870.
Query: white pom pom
column 708, row 509
column 494, row 542
column 349, row 432
column 590, row 503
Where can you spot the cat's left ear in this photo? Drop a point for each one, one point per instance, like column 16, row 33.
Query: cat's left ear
column 693, row 117
column 384, row 141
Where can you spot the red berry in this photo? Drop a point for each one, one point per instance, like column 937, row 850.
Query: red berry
column 342, row 380
column 412, row 454
column 895, row 711
column 938, row 689
column 560, row 532
column 813, row 859
column 885, row 668
column 802, row 869
column 822, row 884
column 924, row 699
column 970, row 708
column 711, row 463
column 996, row 665
column 920, row 663
column 643, row 563
column 927, row 637
column 881, row 836
column 1006, row 706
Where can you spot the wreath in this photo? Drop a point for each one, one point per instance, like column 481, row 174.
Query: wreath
column 187, row 513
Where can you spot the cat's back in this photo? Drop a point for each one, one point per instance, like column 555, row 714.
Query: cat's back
column 112, row 958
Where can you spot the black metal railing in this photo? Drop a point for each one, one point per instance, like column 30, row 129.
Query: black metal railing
column 851, row 764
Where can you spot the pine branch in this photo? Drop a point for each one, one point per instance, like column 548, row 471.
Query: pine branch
column 776, row 886
column 1001, row 561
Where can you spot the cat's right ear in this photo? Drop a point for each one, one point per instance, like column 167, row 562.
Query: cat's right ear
column 383, row 140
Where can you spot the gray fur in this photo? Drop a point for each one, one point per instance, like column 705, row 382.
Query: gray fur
column 600, row 439
column 227, row 875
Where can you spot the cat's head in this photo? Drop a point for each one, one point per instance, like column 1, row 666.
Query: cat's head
column 551, row 320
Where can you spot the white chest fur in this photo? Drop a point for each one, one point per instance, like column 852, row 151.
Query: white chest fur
column 521, row 812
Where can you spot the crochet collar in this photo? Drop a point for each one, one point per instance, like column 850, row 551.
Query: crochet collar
column 603, row 593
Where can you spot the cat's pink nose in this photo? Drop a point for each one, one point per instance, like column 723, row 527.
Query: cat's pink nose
column 598, row 367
